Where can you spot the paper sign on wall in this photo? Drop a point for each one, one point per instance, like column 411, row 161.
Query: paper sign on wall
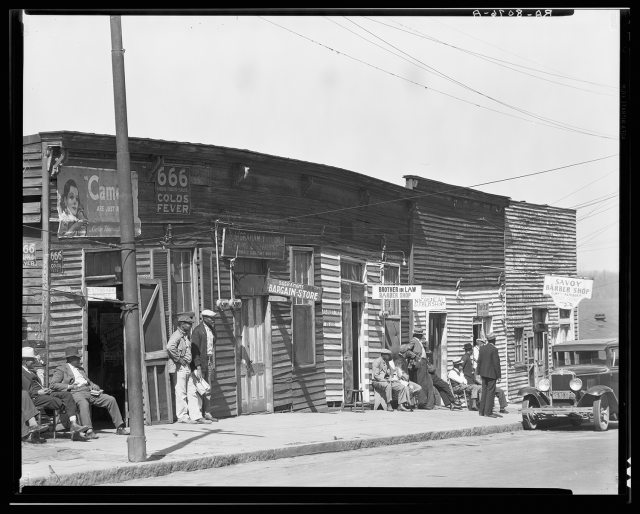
column 567, row 292
column 396, row 292
column 431, row 303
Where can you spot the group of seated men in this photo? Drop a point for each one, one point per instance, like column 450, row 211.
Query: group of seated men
column 70, row 391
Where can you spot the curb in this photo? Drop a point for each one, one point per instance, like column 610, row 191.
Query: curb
column 128, row 472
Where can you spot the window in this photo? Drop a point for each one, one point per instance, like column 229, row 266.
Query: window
column 392, row 276
column 482, row 326
column 564, row 316
column 181, row 297
column 591, row 357
column 250, row 266
column 614, row 355
column 350, row 271
column 530, row 354
column 303, row 310
column 519, row 344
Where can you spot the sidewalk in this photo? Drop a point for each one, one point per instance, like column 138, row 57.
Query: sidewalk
column 180, row 447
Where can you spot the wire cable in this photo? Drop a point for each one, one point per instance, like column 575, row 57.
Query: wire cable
column 595, row 234
column 567, row 196
column 433, row 89
column 446, row 77
column 599, row 199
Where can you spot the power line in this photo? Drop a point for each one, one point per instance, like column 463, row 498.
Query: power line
column 595, row 234
column 615, row 282
column 600, row 212
column 490, row 59
column 567, row 196
column 599, row 199
column 507, row 51
column 597, row 249
column 446, row 77
column 433, row 89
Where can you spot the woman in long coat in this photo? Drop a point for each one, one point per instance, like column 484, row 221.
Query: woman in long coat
column 413, row 354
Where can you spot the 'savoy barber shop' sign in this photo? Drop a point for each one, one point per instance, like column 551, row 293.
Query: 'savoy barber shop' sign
column 567, row 291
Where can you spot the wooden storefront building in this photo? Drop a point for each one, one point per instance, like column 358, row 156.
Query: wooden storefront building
column 219, row 226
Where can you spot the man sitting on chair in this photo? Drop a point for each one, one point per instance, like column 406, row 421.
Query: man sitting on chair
column 383, row 384
column 30, row 428
column 413, row 389
column 459, row 382
column 72, row 377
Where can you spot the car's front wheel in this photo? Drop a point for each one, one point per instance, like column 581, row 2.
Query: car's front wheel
column 601, row 414
column 529, row 421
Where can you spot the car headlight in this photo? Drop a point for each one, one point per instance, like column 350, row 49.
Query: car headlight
column 575, row 384
column 544, row 384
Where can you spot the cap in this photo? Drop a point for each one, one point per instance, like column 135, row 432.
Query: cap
column 209, row 314
column 467, row 346
column 185, row 318
column 418, row 331
column 480, row 341
column 28, row 353
column 491, row 336
column 457, row 361
column 385, row 351
column 71, row 351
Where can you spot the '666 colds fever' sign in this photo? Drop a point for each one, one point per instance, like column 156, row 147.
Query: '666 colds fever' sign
column 173, row 194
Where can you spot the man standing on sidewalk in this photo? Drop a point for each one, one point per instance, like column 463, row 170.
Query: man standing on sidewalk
column 203, row 341
column 489, row 369
column 179, row 349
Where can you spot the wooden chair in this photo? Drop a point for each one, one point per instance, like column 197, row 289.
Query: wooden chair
column 462, row 395
column 56, row 417
column 356, row 401
column 378, row 401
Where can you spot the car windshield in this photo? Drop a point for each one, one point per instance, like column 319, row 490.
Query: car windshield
column 579, row 357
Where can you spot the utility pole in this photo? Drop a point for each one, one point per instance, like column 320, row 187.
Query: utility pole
column 136, row 441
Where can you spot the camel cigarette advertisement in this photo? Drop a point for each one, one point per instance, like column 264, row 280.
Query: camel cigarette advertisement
column 567, row 291
column 88, row 202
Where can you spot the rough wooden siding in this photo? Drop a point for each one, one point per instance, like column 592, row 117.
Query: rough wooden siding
column 31, row 168
column 332, row 324
column 451, row 242
column 539, row 240
column 143, row 263
column 65, row 313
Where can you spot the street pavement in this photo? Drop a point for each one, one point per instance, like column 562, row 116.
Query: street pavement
column 541, row 459
column 181, row 447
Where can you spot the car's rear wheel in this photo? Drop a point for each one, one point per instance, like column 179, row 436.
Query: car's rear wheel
column 529, row 421
column 601, row 414
column 576, row 422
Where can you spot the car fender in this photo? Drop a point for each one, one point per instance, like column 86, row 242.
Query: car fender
column 594, row 393
column 532, row 391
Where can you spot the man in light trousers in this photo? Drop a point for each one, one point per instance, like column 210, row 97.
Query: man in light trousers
column 179, row 348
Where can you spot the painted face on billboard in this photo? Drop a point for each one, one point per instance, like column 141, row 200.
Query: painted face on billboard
column 70, row 198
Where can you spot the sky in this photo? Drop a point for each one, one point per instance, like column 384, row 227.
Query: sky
column 461, row 100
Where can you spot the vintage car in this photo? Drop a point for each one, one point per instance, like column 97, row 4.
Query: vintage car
column 583, row 385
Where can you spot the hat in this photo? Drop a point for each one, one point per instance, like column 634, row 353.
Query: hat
column 491, row 337
column 209, row 314
column 457, row 361
column 385, row 351
column 419, row 331
column 71, row 351
column 186, row 318
column 28, row 353
column 467, row 346
column 480, row 341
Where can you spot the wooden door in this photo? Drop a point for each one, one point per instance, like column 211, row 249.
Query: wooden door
column 392, row 334
column 436, row 329
column 347, row 340
column 541, row 354
column 156, row 384
column 253, row 364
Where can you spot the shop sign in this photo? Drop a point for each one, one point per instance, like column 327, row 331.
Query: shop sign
column 431, row 303
column 567, row 292
column 101, row 293
column 29, row 255
column 173, row 190
column 482, row 310
column 252, row 245
column 396, row 292
column 56, row 262
column 294, row 290
column 88, row 205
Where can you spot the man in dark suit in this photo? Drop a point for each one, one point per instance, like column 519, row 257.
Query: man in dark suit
column 469, row 374
column 203, row 342
column 73, row 378
column 489, row 369
column 46, row 398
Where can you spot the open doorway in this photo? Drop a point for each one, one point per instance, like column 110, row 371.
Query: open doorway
column 434, row 341
column 105, row 353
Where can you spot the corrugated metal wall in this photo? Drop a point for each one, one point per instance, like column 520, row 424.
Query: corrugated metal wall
column 539, row 240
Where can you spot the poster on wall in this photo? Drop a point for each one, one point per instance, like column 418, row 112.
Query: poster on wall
column 88, row 202
column 29, row 255
column 173, row 194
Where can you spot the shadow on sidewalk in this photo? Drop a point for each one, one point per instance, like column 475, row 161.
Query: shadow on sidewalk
column 160, row 454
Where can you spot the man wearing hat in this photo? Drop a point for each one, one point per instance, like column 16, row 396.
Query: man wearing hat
column 470, row 375
column 30, row 428
column 415, row 355
column 459, row 381
column 73, row 378
column 179, row 349
column 46, row 398
column 384, row 385
column 489, row 369
column 203, row 341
